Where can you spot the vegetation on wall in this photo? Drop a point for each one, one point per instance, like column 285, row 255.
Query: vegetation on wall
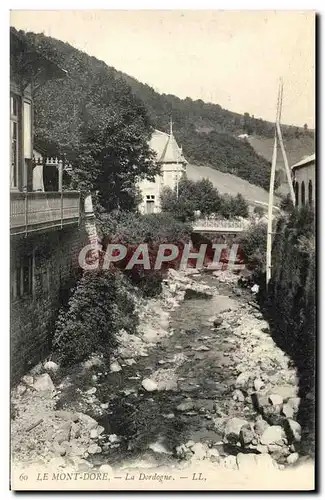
column 291, row 306
column 101, row 305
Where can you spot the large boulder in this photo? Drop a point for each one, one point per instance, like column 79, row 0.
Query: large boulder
column 246, row 435
column 230, row 462
column 250, row 462
column 286, row 391
column 199, row 450
column 149, row 385
column 233, row 428
column 50, row 366
column 185, row 406
column 292, row 430
column 43, row 383
column 115, row 367
column 260, row 425
column 275, row 399
column 244, row 380
column 87, row 421
column 274, row 434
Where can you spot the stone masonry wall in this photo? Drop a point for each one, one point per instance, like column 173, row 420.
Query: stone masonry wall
column 53, row 258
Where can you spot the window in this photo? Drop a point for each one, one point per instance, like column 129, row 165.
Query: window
column 14, row 133
column 310, row 192
column 302, row 193
column 150, row 203
column 22, row 278
column 297, row 192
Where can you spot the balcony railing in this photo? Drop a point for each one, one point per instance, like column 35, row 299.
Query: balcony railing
column 38, row 211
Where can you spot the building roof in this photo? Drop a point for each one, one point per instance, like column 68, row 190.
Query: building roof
column 305, row 161
column 166, row 148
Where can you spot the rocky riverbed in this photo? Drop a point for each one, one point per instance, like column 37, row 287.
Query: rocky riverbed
column 201, row 382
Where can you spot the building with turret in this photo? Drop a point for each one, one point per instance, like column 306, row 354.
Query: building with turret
column 173, row 166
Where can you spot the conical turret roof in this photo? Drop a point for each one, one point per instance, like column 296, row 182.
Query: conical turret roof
column 172, row 153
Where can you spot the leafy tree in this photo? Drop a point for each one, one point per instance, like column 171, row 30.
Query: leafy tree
column 204, row 197
column 93, row 119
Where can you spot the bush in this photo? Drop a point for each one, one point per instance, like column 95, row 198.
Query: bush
column 201, row 196
column 253, row 249
column 102, row 304
column 131, row 229
column 259, row 211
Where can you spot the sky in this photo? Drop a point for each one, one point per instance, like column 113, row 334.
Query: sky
column 231, row 58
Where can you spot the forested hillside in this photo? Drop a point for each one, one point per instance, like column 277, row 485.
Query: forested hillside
column 94, row 120
column 207, row 132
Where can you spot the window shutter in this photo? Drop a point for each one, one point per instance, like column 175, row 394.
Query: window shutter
column 28, row 148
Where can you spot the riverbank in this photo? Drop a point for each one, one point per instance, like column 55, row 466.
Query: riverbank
column 202, row 384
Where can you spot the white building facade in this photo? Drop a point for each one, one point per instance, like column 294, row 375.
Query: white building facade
column 173, row 166
column 304, row 180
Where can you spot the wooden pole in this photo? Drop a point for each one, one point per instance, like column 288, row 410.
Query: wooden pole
column 285, row 159
column 271, row 195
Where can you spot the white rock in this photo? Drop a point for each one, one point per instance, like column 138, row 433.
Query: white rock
column 185, row 406
column 202, row 348
column 159, row 448
column 130, row 361
column 50, row 366
column 230, row 462
column 261, row 448
column 243, row 379
column 291, row 459
column 233, row 427
column 93, row 434
column 21, row 389
column 246, row 461
column 199, row 451
column 237, row 395
column 44, row 383
column 258, row 384
column 294, row 403
column 273, row 435
column 149, row 385
column 276, row 399
column 115, row 367
column 113, row 438
column 287, row 410
column 255, row 288
column 28, row 380
column 293, row 430
column 286, row 391
column 212, row 453
column 106, row 469
column 94, row 378
column 87, row 421
column 104, row 406
column 94, row 448
column 92, row 390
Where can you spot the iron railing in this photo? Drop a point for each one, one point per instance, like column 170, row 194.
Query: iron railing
column 36, row 211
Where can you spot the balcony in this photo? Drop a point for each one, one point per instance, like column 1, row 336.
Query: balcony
column 39, row 211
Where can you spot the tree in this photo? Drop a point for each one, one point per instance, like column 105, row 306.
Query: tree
column 92, row 119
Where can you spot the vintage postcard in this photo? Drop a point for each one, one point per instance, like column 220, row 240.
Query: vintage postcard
column 162, row 250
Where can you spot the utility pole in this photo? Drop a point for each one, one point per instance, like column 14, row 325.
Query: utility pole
column 177, row 157
column 271, row 193
column 285, row 159
column 277, row 136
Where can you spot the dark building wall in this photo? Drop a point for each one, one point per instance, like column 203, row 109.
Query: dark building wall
column 44, row 267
